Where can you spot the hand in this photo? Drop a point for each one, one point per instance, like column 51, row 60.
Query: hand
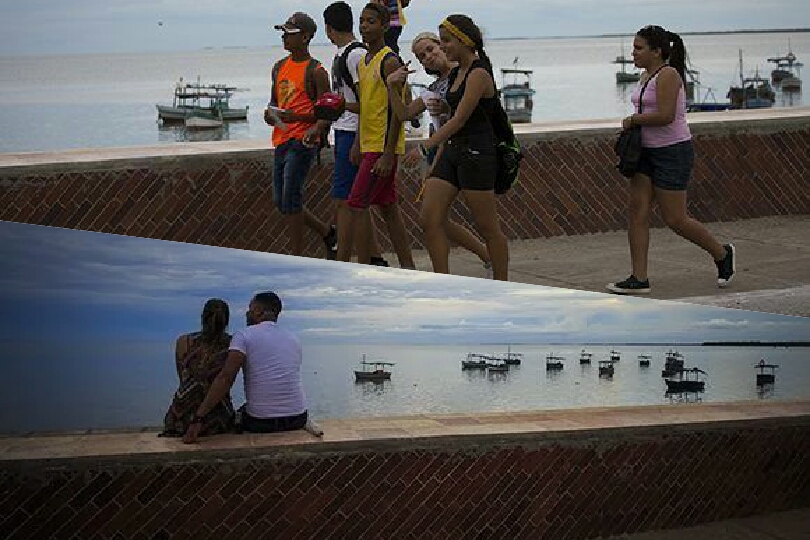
column 413, row 156
column 268, row 118
column 400, row 75
column 383, row 165
column 287, row 117
column 436, row 107
column 627, row 122
column 312, row 137
column 192, row 433
column 354, row 155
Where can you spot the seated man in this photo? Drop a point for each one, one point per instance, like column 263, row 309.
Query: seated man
column 271, row 358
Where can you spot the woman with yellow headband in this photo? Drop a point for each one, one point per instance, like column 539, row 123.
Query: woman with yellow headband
column 468, row 161
column 426, row 47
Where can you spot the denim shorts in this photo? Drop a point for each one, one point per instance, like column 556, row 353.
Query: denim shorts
column 291, row 163
column 669, row 167
column 345, row 170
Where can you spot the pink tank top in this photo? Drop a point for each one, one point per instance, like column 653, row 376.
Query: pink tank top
column 658, row 136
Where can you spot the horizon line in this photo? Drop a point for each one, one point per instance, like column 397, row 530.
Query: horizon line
column 510, row 38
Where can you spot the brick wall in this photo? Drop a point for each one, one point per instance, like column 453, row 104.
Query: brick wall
column 569, row 185
column 563, row 485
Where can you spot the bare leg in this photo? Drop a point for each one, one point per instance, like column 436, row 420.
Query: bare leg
column 374, row 247
column 295, row 225
column 346, row 233
column 315, row 224
column 464, row 237
column 638, row 226
column 673, row 210
column 363, row 237
column 438, row 197
column 398, row 234
column 484, row 211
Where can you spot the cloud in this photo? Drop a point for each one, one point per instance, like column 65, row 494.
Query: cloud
column 159, row 287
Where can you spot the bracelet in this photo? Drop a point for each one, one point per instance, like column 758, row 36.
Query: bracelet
column 423, row 150
column 197, row 419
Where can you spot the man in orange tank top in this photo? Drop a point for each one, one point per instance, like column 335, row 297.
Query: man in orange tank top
column 295, row 138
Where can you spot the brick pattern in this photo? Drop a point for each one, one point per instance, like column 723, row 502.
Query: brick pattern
column 564, row 489
column 569, row 186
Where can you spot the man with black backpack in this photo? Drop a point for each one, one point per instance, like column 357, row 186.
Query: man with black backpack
column 339, row 21
column 298, row 80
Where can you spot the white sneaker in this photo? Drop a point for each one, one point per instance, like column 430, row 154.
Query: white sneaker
column 313, row 428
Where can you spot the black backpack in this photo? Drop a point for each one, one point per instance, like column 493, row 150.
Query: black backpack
column 343, row 73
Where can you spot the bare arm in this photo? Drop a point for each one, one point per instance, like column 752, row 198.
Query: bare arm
column 180, row 351
column 223, row 383
column 666, row 94
column 391, row 65
column 479, row 83
column 395, row 82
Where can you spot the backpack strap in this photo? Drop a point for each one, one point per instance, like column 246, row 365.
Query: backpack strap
column 309, row 79
column 273, row 80
column 343, row 67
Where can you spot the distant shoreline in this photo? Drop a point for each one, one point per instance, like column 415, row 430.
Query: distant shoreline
column 705, row 33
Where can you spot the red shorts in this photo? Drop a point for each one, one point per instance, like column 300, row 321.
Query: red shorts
column 368, row 188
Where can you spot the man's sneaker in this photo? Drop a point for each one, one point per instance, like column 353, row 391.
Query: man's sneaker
column 330, row 241
column 488, row 268
column 726, row 267
column 378, row 261
column 630, row 285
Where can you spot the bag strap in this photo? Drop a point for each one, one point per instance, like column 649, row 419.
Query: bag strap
column 643, row 88
column 273, row 78
column 343, row 68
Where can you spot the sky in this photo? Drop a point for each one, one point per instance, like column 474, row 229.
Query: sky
column 72, row 286
column 112, row 26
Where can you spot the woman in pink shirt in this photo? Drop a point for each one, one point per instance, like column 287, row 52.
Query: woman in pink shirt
column 667, row 159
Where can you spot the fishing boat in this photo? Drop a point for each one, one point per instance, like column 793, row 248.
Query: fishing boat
column 784, row 74
column 624, row 76
column 765, row 378
column 376, row 374
column 681, row 381
column 753, row 93
column 517, row 94
column 554, row 363
column 204, row 119
column 673, row 361
column 696, row 104
column 615, row 356
column 475, row 361
column 644, row 360
column 605, row 368
column 497, row 365
column 585, row 357
column 197, row 100
column 510, row 358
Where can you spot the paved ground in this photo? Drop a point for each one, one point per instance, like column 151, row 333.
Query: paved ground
column 773, row 264
column 791, row 525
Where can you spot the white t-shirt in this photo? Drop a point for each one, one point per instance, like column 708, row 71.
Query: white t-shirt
column 272, row 370
column 349, row 120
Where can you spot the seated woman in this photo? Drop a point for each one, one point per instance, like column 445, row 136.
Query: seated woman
column 199, row 357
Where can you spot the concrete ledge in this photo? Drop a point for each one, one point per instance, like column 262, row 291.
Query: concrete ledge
column 574, row 474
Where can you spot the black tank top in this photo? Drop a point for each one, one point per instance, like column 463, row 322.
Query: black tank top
column 476, row 131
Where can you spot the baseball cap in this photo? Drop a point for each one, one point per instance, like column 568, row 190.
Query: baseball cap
column 298, row 22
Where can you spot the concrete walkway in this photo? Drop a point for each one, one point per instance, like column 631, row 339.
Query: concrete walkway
column 773, row 264
column 790, row 525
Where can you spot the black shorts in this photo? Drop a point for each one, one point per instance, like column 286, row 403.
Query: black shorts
column 669, row 167
column 466, row 168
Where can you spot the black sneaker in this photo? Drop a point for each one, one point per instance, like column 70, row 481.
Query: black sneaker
column 630, row 285
column 726, row 267
column 378, row 261
column 330, row 241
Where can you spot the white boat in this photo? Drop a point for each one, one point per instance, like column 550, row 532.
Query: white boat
column 190, row 98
